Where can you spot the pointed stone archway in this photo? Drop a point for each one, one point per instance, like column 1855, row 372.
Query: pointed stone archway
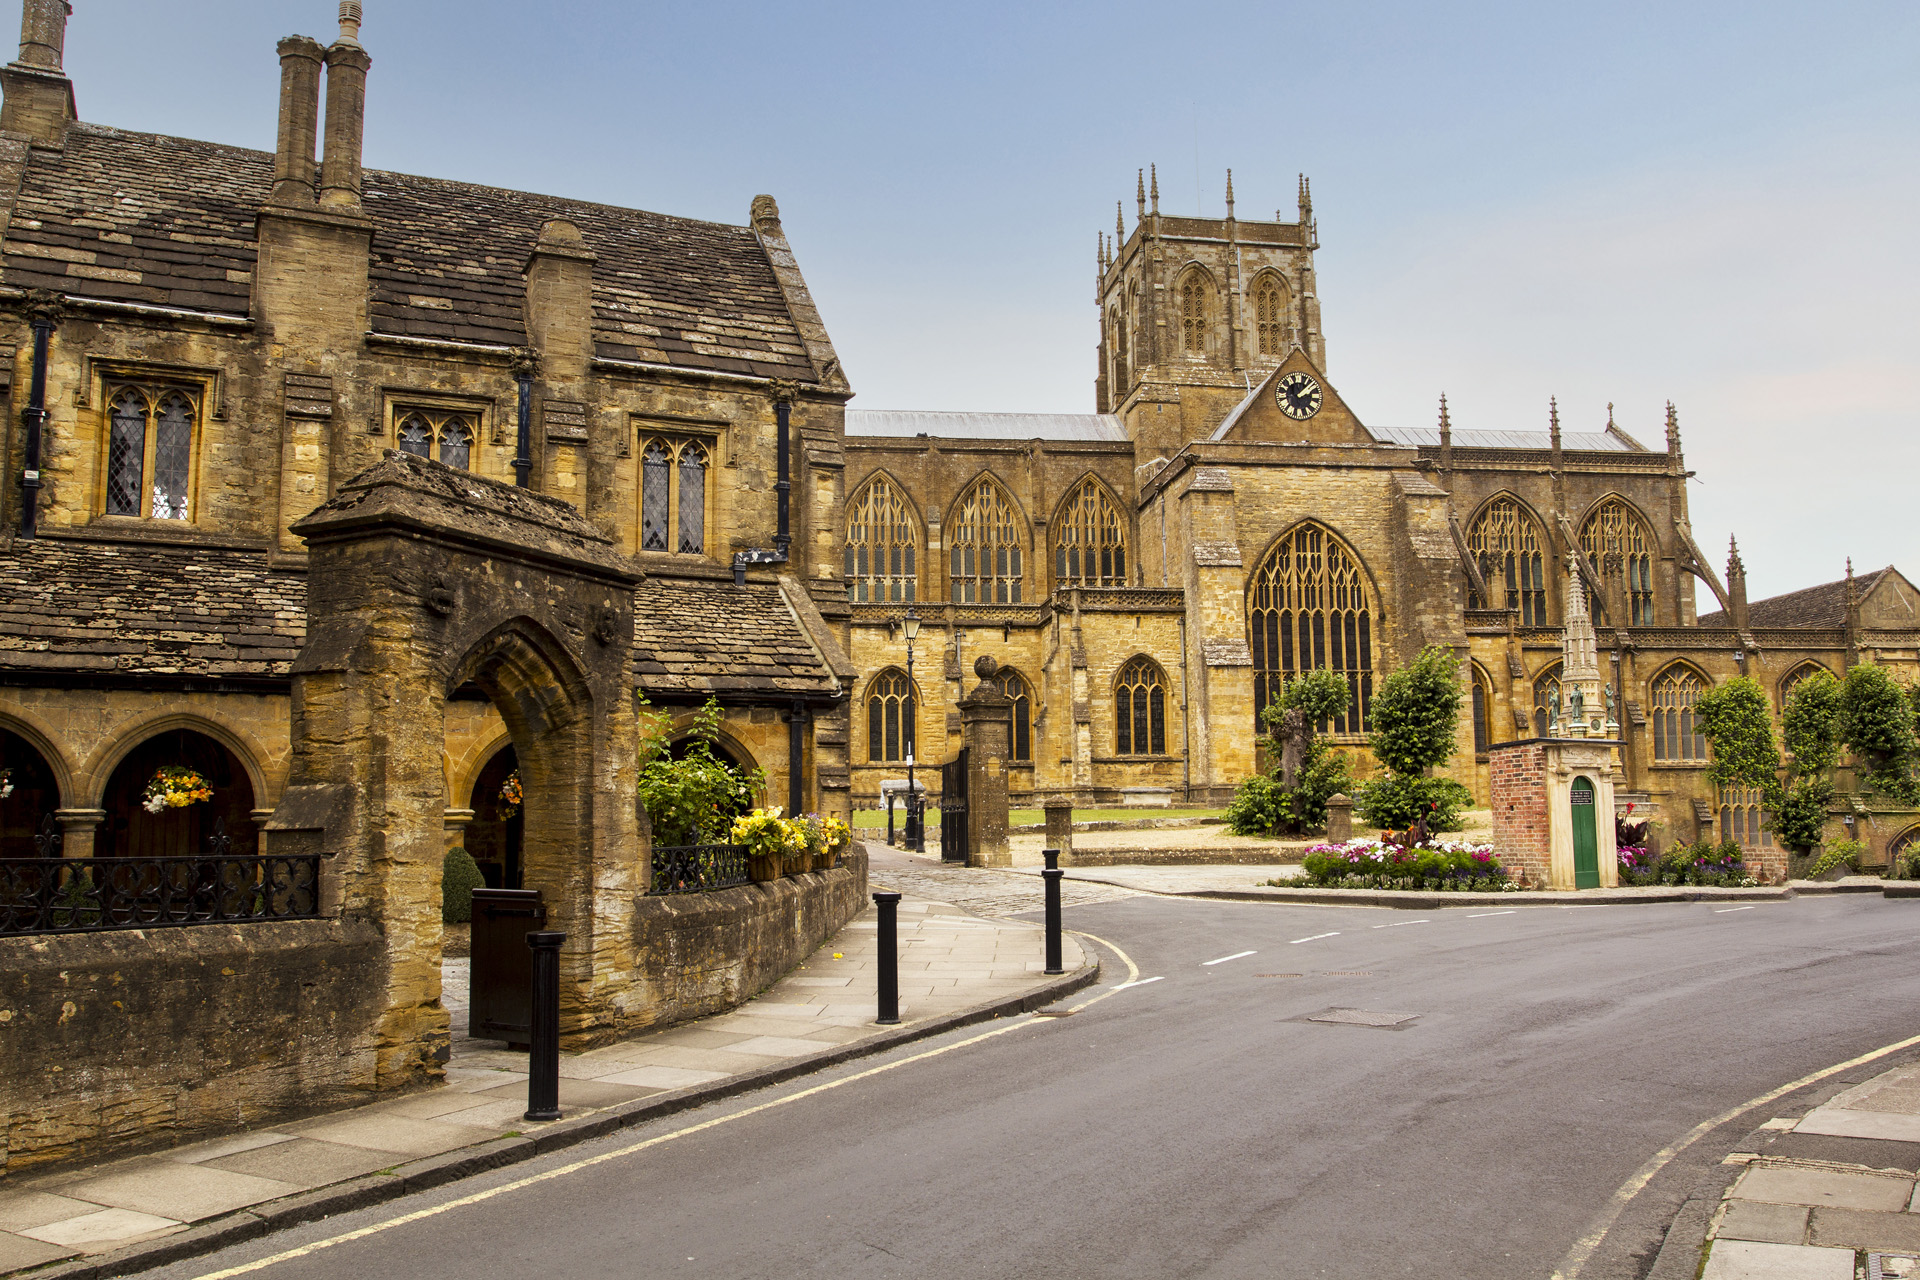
column 423, row 578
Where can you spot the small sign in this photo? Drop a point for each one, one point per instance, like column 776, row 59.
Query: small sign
column 1583, row 794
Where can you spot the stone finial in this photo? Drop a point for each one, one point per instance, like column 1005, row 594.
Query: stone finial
column 1229, row 193
column 1609, row 415
column 350, row 21
column 1119, row 225
column 1673, row 429
column 1735, row 569
column 1306, row 201
column 1153, row 187
column 1446, row 423
column 765, row 214
column 1140, row 193
column 985, row 666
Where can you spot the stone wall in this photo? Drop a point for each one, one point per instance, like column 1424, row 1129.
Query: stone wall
column 138, row 1038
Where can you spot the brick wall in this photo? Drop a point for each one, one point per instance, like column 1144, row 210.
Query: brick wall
column 1521, row 836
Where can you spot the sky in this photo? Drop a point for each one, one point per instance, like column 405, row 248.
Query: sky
column 1712, row 204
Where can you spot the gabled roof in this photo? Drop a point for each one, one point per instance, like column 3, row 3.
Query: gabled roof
column 952, row 425
column 1589, row 441
column 1821, row 606
column 694, row 637
column 145, row 218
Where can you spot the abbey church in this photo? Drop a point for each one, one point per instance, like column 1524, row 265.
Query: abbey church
column 208, row 342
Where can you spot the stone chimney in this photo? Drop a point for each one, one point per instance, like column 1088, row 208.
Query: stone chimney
column 347, row 65
column 294, row 169
column 39, row 97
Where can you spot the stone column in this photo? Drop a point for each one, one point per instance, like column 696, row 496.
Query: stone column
column 1339, row 819
column 457, row 820
column 1059, row 810
column 77, row 827
column 986, row 728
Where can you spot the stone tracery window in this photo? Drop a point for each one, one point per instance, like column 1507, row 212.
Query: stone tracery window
column 1482, row 712
column 1309, row 609
column 1270, row 316
column 1546, row 691
column 1676, row 726
column 670, row 521
column 1506, row 544
column 883, row 537
column 437, row 433
column 150, row 452
column 1092, row 546
column 1795, row 676
column 984, row 548
column 1020, row 693
column 1140, row 709
column 1743, row 817
column 1117, row 342
column 1193, row 314
column 890, row 717
column 1616, row 539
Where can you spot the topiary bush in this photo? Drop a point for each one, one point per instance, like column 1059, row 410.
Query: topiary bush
column 1394, row 804
column 459, row 877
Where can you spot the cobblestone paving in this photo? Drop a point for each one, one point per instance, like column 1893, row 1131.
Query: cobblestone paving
column 983, row 892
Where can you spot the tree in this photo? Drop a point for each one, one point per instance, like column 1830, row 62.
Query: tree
column 1416, row 719
column 1877, row 725
column 1265, row 803
column 1810, row 727
column 693, row 799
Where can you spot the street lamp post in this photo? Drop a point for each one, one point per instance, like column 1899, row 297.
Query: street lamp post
column 916, row 812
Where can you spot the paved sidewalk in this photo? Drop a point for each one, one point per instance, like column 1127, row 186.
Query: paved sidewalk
column 1828, row 1193
column 951, row 963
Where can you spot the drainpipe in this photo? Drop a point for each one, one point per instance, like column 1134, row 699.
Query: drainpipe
column 784, row 393
column 43, row 313
column 524, row 364
column 796, row 753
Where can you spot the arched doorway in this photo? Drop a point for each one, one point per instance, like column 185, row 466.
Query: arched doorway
column 132, row 830
column 32, row 793
column 493, row 837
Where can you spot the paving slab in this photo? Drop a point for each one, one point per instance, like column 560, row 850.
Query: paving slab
column 18, row 1252
column 401, row 1135
column 304, row 1162
column 1890, row 1231
column 1755, row 1220
column 1787, row 1184
column 21, row 1210
column 1755, row 1260
column 667, row 1077
column 1846, row 1122
column 180, row 1193
column 103, row 1229
column 200, row 1151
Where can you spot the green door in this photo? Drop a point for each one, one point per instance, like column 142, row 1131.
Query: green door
column 1586, row 846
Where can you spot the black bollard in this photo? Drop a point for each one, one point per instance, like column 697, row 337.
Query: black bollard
column 543, row 1062
column 889, row 942
column 1053, row 875
column 890, row 843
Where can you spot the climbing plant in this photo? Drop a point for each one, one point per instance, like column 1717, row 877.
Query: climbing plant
column 1877, row 725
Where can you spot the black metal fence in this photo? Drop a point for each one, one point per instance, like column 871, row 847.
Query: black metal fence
column 698, row 868
column 89, row 895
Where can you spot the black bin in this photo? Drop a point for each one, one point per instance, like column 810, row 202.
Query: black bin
column 501, row 1005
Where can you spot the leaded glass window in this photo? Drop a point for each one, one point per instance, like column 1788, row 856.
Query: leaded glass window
column 1117, row 343
column 673, row 517
column 1309, row 609
column 416, row 436
column 693, row 498
column 890, row 718
column 1676, row 726
column 150, row 452
column 1270, row 316
column 1092, row 551
column 1546, row 700
column 456, row 444
column 1616, row 539
column 1140, row 709
column 984, row 548
column 1506, row 544
column 1744, row 819
column 1193, row 315
column 883, row 536
column 441, row 434
column 1014, row 685
column 656, row 486
column 1482, row 702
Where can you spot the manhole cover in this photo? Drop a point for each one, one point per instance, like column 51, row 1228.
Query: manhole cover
column 1279, row 975
column 1362, row 1018
column 1348, row 973
column 1886, row 1266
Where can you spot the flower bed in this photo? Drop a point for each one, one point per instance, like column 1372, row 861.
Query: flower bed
column 1721, row 866
column 1447, row 866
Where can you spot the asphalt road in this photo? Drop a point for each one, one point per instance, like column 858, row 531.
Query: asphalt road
column 1199, row 1125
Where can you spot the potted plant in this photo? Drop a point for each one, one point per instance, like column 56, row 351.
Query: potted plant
column 838, row 835
column 770, row 840
column 175, row 787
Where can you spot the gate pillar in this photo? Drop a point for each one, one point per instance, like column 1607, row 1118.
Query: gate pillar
column 986, row 729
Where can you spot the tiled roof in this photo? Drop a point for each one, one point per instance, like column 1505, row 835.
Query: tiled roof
column 1589, row 441
column 111, row 608
column 950, row 425
column 140, row 217
column 714, row 637
column 1821, row 606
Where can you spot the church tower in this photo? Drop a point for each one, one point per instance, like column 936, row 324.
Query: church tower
column 1195, row 311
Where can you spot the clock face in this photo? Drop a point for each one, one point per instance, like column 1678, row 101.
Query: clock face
column 1299, row 395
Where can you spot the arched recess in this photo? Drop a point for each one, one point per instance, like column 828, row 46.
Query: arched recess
column 1618, row 539
column 1481, row 709
column 884, row 538
column 38, row 737
column 1671, row 695
column 1546, row 698
column 548, row 708
column 987, row 537
column 494, row 836
column 1118, row 370
column 1270, row 304
column 90, row 782
column 131, row 829
column 1141, row 692
column 1795, row 676
column 1091, row 536
column 1311, row 606
column 1509, row 543
column 1904, row 845
column 1195, row 309
column 30, row 789
column 1019, row 692
column 892, row 708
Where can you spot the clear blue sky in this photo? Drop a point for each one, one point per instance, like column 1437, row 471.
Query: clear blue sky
column 1713, row 203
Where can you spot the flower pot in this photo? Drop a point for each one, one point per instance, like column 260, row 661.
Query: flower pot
column 790, row 864
column 763, row 867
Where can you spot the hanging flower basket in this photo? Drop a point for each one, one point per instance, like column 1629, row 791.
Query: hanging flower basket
column 175, row 787
column 510, row 798
column 6, row 783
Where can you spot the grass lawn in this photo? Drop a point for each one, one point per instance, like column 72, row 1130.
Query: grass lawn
column 1026, row 817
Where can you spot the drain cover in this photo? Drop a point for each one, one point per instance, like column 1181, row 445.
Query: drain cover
column 1889, row 1266
column 1362, row 1018
column 1279, row 975
column 1348, row 973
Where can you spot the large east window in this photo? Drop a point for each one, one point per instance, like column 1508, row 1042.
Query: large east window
column 1506, row 546
column 1618, row 542
column 1309, row 609
column 1092, row 550
column 984, row 543
column 883, row 536
column 150, row 438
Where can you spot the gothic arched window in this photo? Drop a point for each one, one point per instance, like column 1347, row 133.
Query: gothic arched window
column 1140, row 709
column 1616, row 539
column 1309, row 609
column 984, row 548
column 1270, row 316
column 1193, row 314
column 1482, row 712
column 1117, row 340
column 883, row 535
column 1744, row 819
column 890, row 717
column 1092, row 550
column 1795, row 676
column 150, row 452
column 1020, row 693
column 668, row 523
column 1546, row 696
column 1676, row 726
column 1506, row 544
column 435, row 433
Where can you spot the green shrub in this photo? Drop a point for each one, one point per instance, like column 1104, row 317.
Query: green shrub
column 1396, row 803
column 1416, row 713
column 1319, row 694
column 459, row 877
column 1802, row 813
column 1737, row 719
column 1260, row 804
column 1876, row 721
column 692, row 800
column 1841, row 853
column 1810, row 724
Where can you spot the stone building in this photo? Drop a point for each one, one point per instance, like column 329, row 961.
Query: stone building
column 1148, row 575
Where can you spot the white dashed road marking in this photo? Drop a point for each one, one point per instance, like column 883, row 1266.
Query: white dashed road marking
column 1397, row 923
column 1720, row 911
column 1223, row 959
column 1315, row 938
column 1140, row 982
column 1484, row 914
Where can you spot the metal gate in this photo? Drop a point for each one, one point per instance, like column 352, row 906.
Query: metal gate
column 953, row 809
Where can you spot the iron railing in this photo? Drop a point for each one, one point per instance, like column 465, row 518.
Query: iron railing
column 698, row 868
column 90, row 895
